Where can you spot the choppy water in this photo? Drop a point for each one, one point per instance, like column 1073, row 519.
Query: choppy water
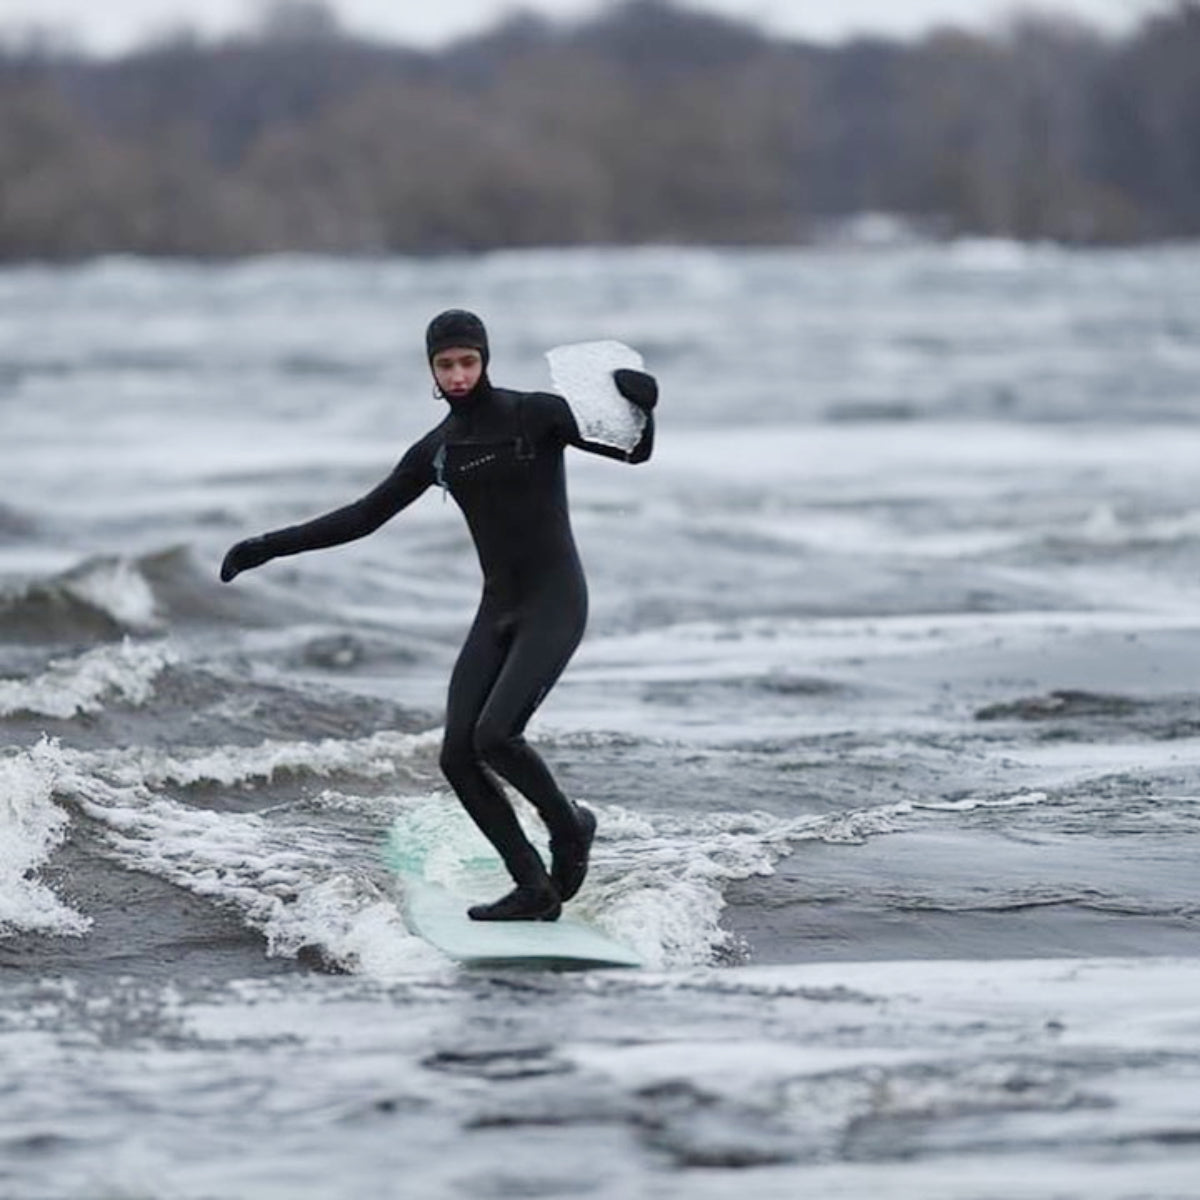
column 888, row 706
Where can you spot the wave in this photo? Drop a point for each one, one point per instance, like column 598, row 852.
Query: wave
column 311, row 874
column 290, row 883
column 651, row 886
column 308, row 874
column 235, row 858
column 101, row 599
column 659, row 886
column 656, row 883
column 1161, row 718
column 109, row 597
column 372, row 757
column 70, row 687
column 32, row 826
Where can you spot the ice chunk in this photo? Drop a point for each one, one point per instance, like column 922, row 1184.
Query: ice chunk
column 582, row 374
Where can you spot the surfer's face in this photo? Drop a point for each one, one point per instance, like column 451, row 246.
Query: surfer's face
column 457, row 370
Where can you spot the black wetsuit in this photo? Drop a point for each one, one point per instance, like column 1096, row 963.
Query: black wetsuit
column 499, row 453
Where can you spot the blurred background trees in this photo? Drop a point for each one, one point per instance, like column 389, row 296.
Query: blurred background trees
column 648, row 123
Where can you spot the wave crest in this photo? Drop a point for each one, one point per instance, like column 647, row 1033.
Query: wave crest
column 99, row 600
column 70, row 687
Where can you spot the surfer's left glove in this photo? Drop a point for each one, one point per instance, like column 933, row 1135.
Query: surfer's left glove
column 253, row 552
column 637, row 387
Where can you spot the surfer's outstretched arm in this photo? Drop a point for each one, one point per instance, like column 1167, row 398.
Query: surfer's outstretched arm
column 413, row 474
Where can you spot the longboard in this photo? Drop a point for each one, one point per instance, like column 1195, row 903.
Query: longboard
column 440, row 917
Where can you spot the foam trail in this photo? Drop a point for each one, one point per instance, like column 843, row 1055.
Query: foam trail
column 70, row 687
column 31, row 827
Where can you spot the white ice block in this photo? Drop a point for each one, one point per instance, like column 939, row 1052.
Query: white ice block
column 582, row 375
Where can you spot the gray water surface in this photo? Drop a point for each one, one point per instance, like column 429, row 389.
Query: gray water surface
column 888, row 708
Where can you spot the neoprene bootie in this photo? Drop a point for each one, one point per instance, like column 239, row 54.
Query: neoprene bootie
column 526, row 902
column 569, row 859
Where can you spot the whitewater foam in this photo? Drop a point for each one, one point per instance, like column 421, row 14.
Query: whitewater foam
column 656, row 882
column 116, row 587
column 31, row 827
column 283, row 881
column 70, row 687
column 654, row 885
column 372, row 757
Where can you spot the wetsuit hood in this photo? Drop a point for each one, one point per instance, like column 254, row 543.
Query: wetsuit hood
column 458, row 328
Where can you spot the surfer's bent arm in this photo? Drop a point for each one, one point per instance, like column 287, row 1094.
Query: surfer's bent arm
column 411, row 477
column 641, row 390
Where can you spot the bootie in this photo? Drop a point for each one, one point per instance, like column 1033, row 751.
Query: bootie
column 569, row 859
column 526, row 902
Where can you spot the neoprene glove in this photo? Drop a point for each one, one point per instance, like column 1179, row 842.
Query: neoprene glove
column 253, row 552
column 637, row 387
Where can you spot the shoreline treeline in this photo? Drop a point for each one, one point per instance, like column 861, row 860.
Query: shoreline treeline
column 648, row 123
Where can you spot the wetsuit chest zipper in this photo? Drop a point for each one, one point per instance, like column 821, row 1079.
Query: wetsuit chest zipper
column 439, row 469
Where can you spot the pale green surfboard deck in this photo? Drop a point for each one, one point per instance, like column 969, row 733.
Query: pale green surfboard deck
column 440, row 917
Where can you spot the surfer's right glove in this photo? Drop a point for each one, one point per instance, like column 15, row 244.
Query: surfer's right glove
column 253, row 552
column 637, row 387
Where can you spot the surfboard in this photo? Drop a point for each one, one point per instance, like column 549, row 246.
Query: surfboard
column 582, row 374
column 440, row 917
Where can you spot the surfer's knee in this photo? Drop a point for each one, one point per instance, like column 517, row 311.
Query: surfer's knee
column 457, row 755
column 494, row 743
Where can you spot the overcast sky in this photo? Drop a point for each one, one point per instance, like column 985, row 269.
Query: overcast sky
column 113, row 25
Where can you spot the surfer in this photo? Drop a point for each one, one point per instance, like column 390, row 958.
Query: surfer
column 499, row 453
